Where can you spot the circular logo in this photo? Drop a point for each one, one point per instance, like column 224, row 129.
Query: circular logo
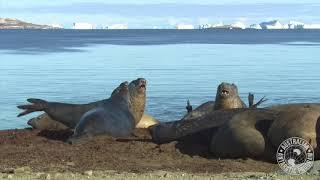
column 295, row 156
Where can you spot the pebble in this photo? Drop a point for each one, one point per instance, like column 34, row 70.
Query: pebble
column 22, row 169
column 88, row 173
column 71, row 164
column 8, row 171
column 10, row 176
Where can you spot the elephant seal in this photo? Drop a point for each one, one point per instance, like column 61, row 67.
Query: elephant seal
column 146, row 121
column 44, row 122
column 114, row 118
column 70, row 114
column 297, row 120
column 245, row 135
column 227, row 97
column 171, row 131
column 227, row 133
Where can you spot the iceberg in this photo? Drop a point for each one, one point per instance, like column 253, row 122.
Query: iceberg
column 311, row 26
column 255, row 26
column 117, row 26
column 238, row 25
column 82, row 26
column 184, row 26
column 295, row 25
column 272, row 25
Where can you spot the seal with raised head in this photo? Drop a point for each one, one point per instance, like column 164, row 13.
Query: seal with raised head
column 227, row 97
column 70, row 114
column 114, row 117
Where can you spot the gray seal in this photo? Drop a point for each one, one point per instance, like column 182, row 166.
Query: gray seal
column 114, row 117
column 70, row 114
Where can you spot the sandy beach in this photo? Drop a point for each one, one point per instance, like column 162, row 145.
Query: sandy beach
column 36, row 154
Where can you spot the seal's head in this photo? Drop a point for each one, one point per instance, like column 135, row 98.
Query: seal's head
column 34, row 122
column 137, row 89
column 44, row 122
column 121, row 93
column 227, row 97
column 226, row 90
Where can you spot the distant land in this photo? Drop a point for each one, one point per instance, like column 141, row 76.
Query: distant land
column 10, row 23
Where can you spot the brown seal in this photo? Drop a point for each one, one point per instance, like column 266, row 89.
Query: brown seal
column 245, row 135
column 44, row 122
column 227, row 97
column 297, row 120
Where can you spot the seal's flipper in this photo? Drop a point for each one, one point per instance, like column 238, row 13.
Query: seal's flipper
column 36, row 101
column 37, row 105
column 189, row 107
column 250, row 99
column 262, row 100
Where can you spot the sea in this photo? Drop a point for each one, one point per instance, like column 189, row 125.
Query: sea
column 81, row 66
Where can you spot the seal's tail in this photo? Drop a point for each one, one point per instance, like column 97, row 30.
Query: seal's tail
column 37, row 105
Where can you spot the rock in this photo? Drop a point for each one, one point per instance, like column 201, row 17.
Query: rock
column 71, row 164
column 57, row 176
column 8, row 176
column 41, row 175
column 161, row 174
column 22, row 169
column 8, row 171
column 315, row 170
column 88, row 173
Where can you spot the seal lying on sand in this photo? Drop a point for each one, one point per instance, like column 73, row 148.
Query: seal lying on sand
column 230, row 133
column 227, row 97
column 244, row 135
column 254, row 133
column 70, row 114
column 114, row 117
column 297, row 120
column 44, row 122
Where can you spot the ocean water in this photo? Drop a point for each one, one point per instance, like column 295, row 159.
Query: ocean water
column 84, row 66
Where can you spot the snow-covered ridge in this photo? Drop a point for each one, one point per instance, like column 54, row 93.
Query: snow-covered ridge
column 11, row 23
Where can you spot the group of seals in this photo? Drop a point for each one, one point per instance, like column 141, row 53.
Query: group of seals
column 235, row 130
column 72, row 115
column 247, row 132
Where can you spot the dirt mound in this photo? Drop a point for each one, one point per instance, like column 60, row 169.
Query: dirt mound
column 47, row 151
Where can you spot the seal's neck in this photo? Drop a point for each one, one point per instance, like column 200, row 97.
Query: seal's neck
column 137, row 107
column 228, row 103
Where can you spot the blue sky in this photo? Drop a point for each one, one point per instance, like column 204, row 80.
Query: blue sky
column 163, row 13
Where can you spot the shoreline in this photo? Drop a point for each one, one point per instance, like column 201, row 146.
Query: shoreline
column 28, row 154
